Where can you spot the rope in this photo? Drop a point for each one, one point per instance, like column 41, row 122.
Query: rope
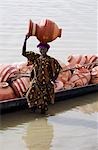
column 77, row 67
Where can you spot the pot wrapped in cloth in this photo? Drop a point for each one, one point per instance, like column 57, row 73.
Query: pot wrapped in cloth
column 69, row 85
column 58, row 85
column 91, row 59
column 72, row 60
column 6, row 71
column 65, row 74
column 20, row 86
column 6, row 92
column 81, row 77
column 94, row 75
column 17, row 84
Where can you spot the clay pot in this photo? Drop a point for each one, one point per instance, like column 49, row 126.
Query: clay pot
column 64, row 76
column 58, row 85
column 6, row 93
column 81, row 77
column 94, row 75
column 21, row 85
column 46, row 31
column 75, row 59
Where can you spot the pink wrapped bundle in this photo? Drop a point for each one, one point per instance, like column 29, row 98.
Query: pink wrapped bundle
column 64, row 76
column 68, row 85
column 82, row 59
column 75, row 59
column 58, row 85
column 19, row 86
column 6, row 71
column 94, row 75
column 81, row 77
column 91, row 59
column 24, row 68
column 6, row 93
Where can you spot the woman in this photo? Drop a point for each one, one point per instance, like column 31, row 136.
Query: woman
column 43, row 75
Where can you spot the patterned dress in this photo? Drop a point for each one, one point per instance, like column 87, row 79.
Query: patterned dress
column 45, row 71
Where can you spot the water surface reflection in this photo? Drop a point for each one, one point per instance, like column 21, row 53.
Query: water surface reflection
column 73, row 125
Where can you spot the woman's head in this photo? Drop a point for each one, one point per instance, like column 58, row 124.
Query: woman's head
column 43, row 47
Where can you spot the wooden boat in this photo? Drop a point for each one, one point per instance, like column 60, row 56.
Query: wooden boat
column 21, row 103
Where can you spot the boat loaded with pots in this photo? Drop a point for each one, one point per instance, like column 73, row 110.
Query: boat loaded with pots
column 79, row 76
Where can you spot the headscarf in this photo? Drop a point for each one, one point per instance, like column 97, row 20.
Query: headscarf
column 45, row 45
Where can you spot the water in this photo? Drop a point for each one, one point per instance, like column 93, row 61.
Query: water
column 78, row 20
column 74, row 123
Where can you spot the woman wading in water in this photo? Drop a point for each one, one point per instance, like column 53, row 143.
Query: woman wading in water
column 43, row 75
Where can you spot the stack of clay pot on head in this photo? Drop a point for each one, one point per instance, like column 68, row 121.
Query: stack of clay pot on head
column 46, row 31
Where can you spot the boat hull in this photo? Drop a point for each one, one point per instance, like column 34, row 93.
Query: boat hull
column 21, row 103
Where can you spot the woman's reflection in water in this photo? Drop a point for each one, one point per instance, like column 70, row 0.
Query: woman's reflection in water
column 39, row 135
column 89, row 108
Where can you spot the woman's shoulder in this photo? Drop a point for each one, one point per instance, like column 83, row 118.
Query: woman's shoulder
column 53, row 59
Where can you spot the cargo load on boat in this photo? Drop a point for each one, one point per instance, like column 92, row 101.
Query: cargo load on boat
column 74, row 74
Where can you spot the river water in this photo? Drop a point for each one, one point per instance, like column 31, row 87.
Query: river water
column 74, row 123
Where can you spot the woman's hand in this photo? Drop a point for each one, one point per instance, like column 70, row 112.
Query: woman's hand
column 26, row 37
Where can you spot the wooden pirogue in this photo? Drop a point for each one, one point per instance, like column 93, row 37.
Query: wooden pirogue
column 21, row 103
column 81, row 81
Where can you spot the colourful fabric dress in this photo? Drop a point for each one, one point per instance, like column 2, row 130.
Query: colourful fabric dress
column 45, row 71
